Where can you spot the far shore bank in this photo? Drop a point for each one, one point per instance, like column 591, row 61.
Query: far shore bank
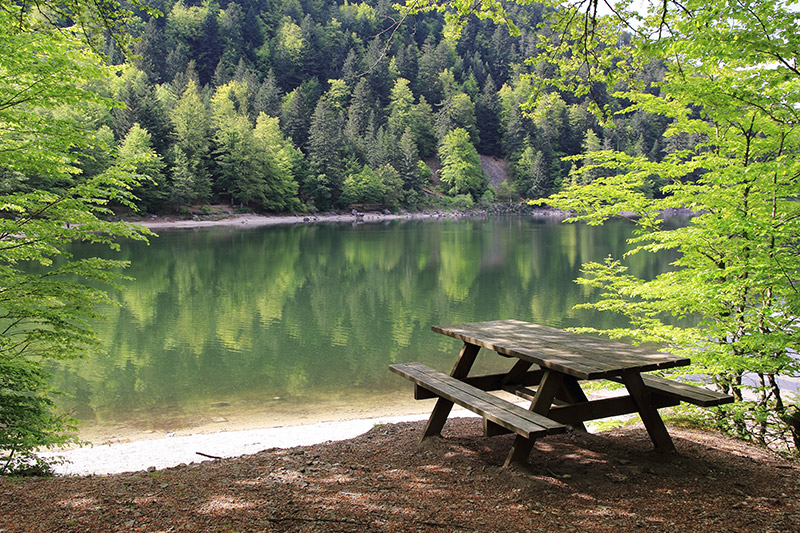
column 354, row 217
column 226, row 217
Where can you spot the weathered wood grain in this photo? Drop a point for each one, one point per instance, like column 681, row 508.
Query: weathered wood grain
column 501, row 412
column 489, row 382
column 576, row 355
column 686, row 392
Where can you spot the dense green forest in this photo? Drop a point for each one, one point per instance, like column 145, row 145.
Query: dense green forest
column 287, row 105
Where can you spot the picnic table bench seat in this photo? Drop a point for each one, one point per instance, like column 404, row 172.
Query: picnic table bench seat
column 686, row 392
column 555, row 362
column 525, row 423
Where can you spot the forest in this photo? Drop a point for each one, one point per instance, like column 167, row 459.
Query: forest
column 307, row 106
column 287, row 106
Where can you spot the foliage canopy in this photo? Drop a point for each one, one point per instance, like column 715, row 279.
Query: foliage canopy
column 46, row 71
column 731, row 93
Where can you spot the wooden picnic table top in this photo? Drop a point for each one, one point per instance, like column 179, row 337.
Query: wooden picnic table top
column 576, row 355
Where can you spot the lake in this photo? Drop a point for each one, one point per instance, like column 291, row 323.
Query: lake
column 227, row 327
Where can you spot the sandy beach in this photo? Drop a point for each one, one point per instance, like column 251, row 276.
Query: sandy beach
column 174, row 450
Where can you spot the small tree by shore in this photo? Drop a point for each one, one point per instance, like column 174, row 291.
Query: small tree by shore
column 47, row 296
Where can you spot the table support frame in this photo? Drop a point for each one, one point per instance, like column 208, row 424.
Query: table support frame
column 442, row 408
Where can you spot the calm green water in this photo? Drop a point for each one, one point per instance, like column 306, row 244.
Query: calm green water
column 300, row 322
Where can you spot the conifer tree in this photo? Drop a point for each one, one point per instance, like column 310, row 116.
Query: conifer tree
column 401, row 106
column 325, row 145
column 208, row 49
column 268, row 99
column 487, row 116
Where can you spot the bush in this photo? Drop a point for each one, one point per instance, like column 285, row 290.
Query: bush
column 488, row 197
column 506, row 193
column 462, row 202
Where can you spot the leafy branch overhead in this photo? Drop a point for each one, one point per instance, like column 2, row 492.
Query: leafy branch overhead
column 46, row 305
column 731, row 85
column 729, row 99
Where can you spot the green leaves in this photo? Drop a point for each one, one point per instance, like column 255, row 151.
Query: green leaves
column 731, row 97
column 461, row 165
column 47, row 297
column 731, row 85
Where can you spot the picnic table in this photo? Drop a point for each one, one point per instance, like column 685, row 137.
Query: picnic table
column 548, row 366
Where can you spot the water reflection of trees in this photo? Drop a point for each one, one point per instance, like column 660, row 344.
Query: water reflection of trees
column 308, row 311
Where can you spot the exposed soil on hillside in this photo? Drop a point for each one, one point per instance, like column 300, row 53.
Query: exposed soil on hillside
column 385, row 481
column 495, row 168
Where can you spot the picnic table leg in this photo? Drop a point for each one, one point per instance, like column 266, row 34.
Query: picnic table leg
column 650, row 417
column 572, row 393
column 548, row 387
column 517, row 372
column 442, row 408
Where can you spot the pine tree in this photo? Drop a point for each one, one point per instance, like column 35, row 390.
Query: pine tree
column 360, row 114
column 424, row 128
column 296, row 110
column 532, row 176
column 141, row 107
column 401, row 106
column 407, row 162
column 151, row 52
column 268, row 99
column 208, row 48
column 325, row 145
column 458, row 111
column 487, row 116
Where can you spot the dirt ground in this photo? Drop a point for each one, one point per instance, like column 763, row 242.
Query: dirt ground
column 385, row 480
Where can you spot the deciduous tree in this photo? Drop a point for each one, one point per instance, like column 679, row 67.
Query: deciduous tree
column 45, row 312
column 461, row 165
column 731, row 84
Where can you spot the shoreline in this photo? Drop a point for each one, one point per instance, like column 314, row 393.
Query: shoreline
column 138, row 452
column 176, row 450
column 386, row 480
column 256, row 220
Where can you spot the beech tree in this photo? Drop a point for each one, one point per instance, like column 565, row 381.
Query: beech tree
column 461, row 165
column 45, row 311
column 732, row 85
column 193, row 151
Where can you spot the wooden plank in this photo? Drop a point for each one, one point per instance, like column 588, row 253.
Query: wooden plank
column 647, row 410
column 580, row 356
column 604, row 408
column 517, row 372
column 601, row 353
column 487, row 383
column 686, row 392
column 499, row 411
column 596, row 409
column 478, row 401
column 572, row 393
column 570, row 413
column 550, row 385
column 443, row 406
column 509, row 346
column 499, row 403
